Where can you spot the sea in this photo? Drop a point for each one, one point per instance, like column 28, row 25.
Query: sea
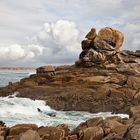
column 15, row 110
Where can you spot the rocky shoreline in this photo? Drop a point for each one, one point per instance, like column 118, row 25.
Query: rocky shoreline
column 111, row 128
column 104, row 79
column 110, row 88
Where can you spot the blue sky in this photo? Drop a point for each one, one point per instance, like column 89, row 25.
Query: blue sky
column 39, row 32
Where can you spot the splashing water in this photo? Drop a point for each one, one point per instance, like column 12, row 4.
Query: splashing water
column 16, row 110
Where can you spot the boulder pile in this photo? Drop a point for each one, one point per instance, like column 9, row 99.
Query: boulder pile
column 101, row 48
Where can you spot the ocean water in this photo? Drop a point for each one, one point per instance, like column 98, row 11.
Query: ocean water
column 12, row 76
column 14, row 110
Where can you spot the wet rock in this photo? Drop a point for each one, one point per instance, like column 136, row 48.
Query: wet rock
column 3, row 132
column 2, row 123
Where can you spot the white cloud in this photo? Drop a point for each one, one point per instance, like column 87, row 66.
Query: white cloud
column 56, row 43
column 12, row 54
column 59, row 40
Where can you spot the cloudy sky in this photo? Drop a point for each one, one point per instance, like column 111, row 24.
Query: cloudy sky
column 38, row 32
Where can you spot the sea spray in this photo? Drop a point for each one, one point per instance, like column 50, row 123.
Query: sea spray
column 16, row 110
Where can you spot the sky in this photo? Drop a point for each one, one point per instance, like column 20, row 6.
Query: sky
column 40, row 32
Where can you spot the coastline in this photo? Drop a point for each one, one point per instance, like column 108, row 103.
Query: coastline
column 95, row 128
column 113, row 88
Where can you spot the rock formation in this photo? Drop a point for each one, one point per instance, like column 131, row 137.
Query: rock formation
column 101, row 48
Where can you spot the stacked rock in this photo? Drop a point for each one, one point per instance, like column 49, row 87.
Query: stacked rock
column 100, row 48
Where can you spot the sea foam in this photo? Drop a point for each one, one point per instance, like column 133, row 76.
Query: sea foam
column 16, row 110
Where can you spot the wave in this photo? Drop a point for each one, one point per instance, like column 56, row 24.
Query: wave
column 15, row 110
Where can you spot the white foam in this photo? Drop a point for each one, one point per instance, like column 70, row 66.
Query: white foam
column 23, row 110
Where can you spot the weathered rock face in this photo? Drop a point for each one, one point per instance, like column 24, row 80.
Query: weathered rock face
column 29, row 135
column 102, row 47
column 46, row 70
column 91, row 133
column 112, row 37
column 135, row 112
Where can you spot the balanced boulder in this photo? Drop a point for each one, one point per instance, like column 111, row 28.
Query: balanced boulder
column 101, row 48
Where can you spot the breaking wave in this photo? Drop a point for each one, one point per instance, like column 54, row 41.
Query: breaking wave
column 15, row 110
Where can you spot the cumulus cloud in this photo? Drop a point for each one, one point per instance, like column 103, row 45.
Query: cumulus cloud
column 55, row 43
column 61, row 42
column 12, row 54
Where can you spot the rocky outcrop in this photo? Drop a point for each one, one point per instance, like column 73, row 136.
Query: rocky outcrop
column 111, row 128
column 46, row 70
column 101, row 48
column 99, row 88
